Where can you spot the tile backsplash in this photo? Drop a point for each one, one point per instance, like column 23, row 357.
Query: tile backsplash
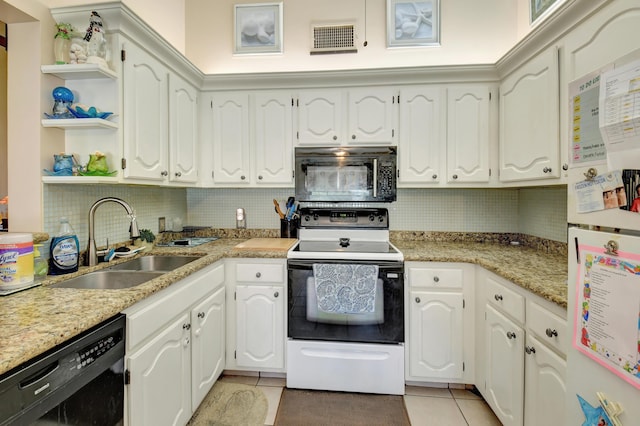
column 111, row 221
column 536, row 211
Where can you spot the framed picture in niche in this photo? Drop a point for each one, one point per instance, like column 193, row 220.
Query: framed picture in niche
column 413, row 23
column 539, row 7
column 258, row 28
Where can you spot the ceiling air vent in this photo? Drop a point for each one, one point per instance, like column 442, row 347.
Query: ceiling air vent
column 333, row 39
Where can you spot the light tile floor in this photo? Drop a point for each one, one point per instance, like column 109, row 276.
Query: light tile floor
column 425, row 406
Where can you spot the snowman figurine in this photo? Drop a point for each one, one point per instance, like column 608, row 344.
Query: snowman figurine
column 96, row 42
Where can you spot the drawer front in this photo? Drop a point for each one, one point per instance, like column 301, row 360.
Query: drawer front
column 260, row 272
column 506, row 299
column 550, row 328
column 435, row 278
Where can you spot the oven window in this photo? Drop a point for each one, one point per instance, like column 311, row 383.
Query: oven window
column 313, row 314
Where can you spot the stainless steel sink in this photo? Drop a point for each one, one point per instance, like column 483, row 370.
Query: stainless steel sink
column 108, row 280
column 154, row 263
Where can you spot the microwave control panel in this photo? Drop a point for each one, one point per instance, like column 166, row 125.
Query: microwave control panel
column 386, row 180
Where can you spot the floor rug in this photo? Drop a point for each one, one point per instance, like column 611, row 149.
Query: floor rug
column 306, row 407
column 231, row 404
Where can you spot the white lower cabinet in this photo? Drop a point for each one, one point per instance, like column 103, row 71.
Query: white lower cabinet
column 175, row 349
column 545, row 379
column 208, row 345
column 523, row 356
column 504, row 367
column 256, row 300
column 439, row 336
column 259, row 326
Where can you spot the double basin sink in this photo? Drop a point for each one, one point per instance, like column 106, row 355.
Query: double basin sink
column 127, row 274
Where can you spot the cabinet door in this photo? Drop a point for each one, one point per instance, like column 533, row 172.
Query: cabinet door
column 529, row 139
column 273, row 138
column 320, row 117
column 183, row 126
column 260, row 326
column 207, row 351
column 504, row 367
column 371, row 116
column 420, row 135
column 435, row 337
column 231, row 157
column 160, row 388
column 468, row 134
column 146, row 133
column 545, row 385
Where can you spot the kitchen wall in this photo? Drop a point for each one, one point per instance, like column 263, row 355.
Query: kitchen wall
column 539, row 212
column 472, row 32
column 74, row 202
column 3, row 117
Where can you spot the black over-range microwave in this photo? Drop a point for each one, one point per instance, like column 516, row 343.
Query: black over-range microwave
column 344, row 174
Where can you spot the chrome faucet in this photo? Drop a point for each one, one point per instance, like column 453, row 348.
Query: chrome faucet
column 92, row 250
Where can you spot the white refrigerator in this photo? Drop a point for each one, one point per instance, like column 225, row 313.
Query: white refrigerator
column 604, row 316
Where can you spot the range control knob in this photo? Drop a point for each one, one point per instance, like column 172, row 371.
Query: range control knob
column 307, row 218
column 372, row 218
column 315, row 216
column 380, row 219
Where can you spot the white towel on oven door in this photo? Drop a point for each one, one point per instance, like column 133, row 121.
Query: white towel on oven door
column 346, row 289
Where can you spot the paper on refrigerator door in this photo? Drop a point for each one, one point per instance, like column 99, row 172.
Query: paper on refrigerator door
column 603, row 192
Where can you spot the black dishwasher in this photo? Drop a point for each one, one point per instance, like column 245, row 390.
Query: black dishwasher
column 80, row 382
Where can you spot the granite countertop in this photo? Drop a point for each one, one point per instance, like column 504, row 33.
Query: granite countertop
column 38, row 319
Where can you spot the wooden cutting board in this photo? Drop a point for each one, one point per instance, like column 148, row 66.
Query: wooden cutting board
column 267, row 244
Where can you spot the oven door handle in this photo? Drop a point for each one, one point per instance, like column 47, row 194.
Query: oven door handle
column 375, row 178
column 307, row 264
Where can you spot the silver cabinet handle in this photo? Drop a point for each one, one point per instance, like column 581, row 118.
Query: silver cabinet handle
column 186, row 326
column 551, row 333
column 434, row 177
column 243, row 177
column 260, row 177
column 511, row 335
column 201, row 315
column 455, row 176
column 436, row 279
column 547, row 170
column 530, row 350
column 276, row 294
column 498, row 297
column 417, row 300
column 178, row 174
column 565, row 167
column 335, row 138
column 164, row 173
column 258, row 274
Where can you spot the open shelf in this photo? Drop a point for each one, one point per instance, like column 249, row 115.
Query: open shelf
column 78, row 71
column 80, row 123
column 80, row 179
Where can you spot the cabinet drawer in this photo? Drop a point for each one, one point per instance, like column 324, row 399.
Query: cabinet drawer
column 260, row 272
column 507, row 300
column 552, row 329
column 435, row 278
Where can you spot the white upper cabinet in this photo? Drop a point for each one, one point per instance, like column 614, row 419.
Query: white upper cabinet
column 183, row 126
column 362, row 116
column 146, row 136
column 420, row 138
column 468, row 133
column 320, row 117
column 371, row 115
column 230, row 125
column 529, row 115
column 273, row 138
